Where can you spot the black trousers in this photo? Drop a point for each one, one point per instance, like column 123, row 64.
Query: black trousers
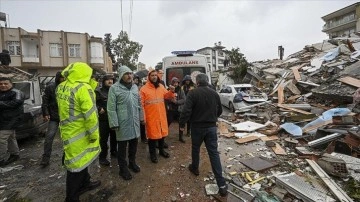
column 152, row 145
column 105, row 131
column 122, row 146
column 142, row 132
column 74, row 182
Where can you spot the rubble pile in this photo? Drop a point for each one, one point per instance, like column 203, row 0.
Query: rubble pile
column 305, row 144
column 15, row 73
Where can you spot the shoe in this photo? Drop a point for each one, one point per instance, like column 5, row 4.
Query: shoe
column 104, row 162
column 92, row 185
column 145, row 141
column 113, row 154
column 125, row 174
column 194, row 171
column 135, row 168
column 223, row 190
column 153, row 158
column 181, row 139
column 12, row 158
column 45, row 161
column 164, row 154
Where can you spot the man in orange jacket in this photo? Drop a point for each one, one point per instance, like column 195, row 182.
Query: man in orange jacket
column 152, row 98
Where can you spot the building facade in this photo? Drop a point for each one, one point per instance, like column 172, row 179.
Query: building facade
column 141, row 66
column 46, row 52
column 343, row 22
column 215, row 56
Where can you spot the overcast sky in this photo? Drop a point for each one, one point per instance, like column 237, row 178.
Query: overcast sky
column 256, row 27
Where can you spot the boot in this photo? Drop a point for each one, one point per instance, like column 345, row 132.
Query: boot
column 181, row 137
column 45, row 161
column 162, row 152
column 125, row 174
column 135, row 168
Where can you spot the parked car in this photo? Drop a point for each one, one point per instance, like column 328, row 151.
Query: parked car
column 238, row 96
column 32, row 119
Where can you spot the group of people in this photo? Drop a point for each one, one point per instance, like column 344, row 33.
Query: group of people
column 124, row 110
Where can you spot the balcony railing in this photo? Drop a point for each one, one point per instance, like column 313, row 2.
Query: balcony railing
column 340, row 22
column 30, row 58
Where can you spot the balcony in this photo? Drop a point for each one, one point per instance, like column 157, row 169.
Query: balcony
column 30, row 58
column 346, row 22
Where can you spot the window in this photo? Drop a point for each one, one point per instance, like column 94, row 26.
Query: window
column 74, row 50
column 56, row 50
column 14, row 47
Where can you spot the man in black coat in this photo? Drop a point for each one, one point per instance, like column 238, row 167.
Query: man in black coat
column 50, row 113
column 104, row 129
column 11, row 111
column 202, row 107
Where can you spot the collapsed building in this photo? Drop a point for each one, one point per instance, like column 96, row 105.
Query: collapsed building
column 305, row 143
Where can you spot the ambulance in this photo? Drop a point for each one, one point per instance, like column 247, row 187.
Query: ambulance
column 183, row 63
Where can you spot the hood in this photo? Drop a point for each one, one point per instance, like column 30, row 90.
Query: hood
column 122, row 70
column 77, row 72
column 173, row 80
column 57, row 78
column 187, row 78
column 107, row 77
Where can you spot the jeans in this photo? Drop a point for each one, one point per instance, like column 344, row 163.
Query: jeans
column 8, row 144
column 105, row 132
column 52, row 129
column 209, row 136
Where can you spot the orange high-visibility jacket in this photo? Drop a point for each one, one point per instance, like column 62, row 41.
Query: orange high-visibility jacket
column 152, row 100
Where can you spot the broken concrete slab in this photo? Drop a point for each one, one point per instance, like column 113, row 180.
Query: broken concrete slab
column 258, row 164
column 247, row 126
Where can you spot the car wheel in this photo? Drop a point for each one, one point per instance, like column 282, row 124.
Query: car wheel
column 231, row 107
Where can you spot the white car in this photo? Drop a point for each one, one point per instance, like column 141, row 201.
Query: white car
column 238, row 96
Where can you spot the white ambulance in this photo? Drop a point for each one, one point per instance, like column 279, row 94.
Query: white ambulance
column 183, row 63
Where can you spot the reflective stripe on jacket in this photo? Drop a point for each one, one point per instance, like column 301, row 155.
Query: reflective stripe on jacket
column 79, row 126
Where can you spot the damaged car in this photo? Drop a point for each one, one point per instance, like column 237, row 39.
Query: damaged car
column 238, row 97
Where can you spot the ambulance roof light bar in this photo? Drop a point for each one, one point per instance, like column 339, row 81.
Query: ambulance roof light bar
column 183, row 53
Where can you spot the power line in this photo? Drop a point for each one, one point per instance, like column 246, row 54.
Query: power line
column 122, row 22
column 130, row 15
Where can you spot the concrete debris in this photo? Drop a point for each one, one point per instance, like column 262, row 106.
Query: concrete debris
column 301, row 189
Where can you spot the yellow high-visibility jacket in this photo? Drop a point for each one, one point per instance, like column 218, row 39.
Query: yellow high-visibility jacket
column 79, row 127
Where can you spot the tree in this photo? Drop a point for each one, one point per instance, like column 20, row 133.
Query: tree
column 109, row 46
column 159, row 65
column 126, row 51
column 238, row 64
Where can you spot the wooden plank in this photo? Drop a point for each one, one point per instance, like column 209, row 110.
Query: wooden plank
column 293, row 109
column 317, row 126
column 351, row 81
column 246, row 139
column 281, row 94
column 278, row 149
column 269, row 138
column 296, row 73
